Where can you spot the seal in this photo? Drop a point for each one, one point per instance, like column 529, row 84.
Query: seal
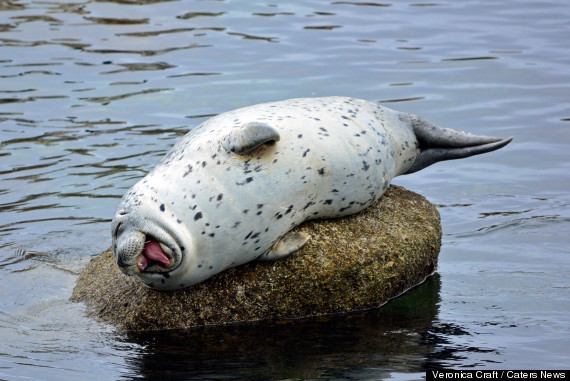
column 231, row 190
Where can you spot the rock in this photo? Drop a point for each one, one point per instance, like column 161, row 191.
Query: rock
column 350, row 263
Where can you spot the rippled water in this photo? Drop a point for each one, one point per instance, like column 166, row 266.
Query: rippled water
column 93, row 93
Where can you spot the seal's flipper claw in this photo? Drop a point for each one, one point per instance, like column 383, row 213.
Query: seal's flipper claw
column 288, row 244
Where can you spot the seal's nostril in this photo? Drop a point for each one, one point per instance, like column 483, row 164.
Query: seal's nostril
column 120, row 262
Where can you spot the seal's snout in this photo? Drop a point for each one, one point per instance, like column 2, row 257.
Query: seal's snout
column 130, row 245
column 136, row 250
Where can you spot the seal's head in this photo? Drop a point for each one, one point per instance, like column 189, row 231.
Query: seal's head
column 149, row 243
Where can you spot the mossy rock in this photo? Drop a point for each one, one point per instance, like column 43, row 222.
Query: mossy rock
column 349, row 264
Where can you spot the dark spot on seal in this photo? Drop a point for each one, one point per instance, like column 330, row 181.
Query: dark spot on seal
column 308, row 204
column 247, row 180
column 248, row 234
column 328, row 202
column 212, row 234
column 300, row 136
column 305, row 153
column 220, row 197
column 198, row 216
column 162, row 208
column 189, row 170
column 321, row 171
column 365, row 166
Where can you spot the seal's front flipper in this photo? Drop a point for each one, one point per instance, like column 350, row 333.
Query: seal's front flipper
column 288, row 244
column 248, row 137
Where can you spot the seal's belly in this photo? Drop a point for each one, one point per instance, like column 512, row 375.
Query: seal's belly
column 325, row 165
column 335, row 160
column 231, row 189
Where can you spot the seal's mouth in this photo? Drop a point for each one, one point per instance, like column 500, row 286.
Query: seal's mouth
column 155, row 257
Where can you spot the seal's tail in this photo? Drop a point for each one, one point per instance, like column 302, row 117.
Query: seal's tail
column 438, row 144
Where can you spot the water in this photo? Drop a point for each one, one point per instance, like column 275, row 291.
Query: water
column 93, row 93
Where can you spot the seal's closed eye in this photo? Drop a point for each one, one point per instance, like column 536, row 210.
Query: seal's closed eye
column 246, row 138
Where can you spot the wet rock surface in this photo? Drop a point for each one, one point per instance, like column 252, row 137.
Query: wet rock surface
column 349, row 264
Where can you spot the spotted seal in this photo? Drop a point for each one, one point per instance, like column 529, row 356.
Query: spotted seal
column 231, row 190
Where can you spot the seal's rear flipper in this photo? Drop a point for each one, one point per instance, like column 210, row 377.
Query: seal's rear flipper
column 439, row 144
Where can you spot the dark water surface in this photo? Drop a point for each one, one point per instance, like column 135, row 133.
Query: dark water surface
column 93, row 93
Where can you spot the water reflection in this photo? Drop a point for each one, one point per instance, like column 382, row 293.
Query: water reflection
column 405, row 335
column 106, row 100
column 191, row 15
column 365, row 4
column 397, row 336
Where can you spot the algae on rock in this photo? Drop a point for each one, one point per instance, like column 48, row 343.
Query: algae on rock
column 351, row 263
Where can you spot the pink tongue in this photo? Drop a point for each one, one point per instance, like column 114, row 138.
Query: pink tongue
column 153, row 251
